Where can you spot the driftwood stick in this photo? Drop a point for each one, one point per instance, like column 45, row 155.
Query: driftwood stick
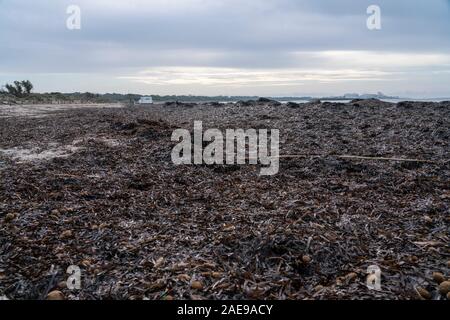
column 385, row 159
column 288, row 156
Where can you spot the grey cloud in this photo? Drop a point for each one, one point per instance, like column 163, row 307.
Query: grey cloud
column 122, row 37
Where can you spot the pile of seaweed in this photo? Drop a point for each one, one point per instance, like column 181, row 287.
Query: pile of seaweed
column 140, row 227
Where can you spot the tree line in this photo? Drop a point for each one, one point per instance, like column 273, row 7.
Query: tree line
column 19, row 89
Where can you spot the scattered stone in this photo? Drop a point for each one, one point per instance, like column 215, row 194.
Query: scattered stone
column 423, row 293
column 438, row 277
column 197, row 285
column 444, row 287
column 306, row 259
column 184, row 277
column 55, row 295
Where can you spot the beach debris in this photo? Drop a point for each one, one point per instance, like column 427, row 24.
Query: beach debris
column 55, row 295
column 423, row 293
column 359, row 185
column 444, row 287
column 438, row 277
column 197, row 285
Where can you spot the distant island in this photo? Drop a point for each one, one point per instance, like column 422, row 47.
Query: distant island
column 352, row 96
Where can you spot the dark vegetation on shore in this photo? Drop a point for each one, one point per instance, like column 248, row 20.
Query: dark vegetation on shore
column 20, row 92
column 8, row 98
column 140, row 227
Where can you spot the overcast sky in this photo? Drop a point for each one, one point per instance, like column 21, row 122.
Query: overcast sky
column 229, row 47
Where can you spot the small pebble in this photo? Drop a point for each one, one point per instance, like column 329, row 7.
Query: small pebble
column 306, row 259
column 55, row 295
column 197, row 285
column 184, row 277
column 444, row 287
column 438, row 277
column 423, row 293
